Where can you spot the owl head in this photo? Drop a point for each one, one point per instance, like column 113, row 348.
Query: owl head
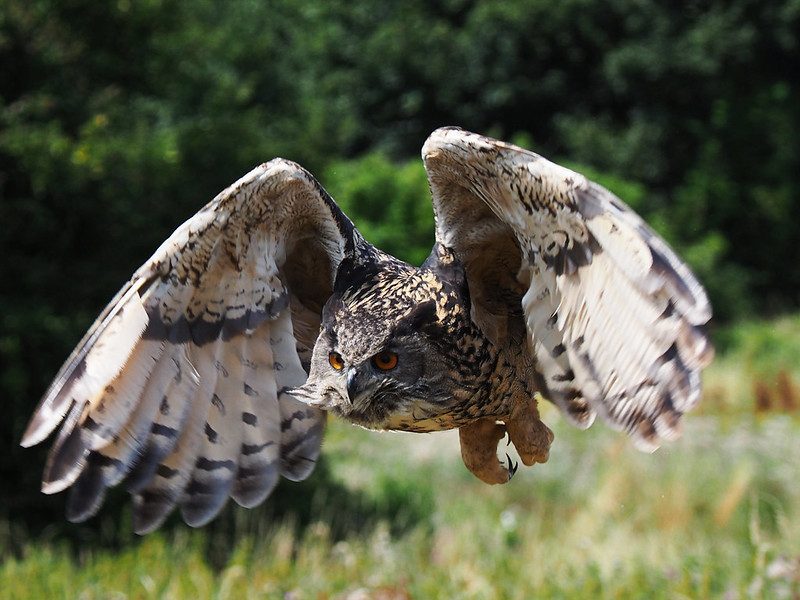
column 381, row 359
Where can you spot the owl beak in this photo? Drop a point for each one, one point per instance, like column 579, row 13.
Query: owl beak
column 352, row 385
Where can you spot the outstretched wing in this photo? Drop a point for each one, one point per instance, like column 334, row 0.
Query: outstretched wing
column 179, row 387
column 615, row 318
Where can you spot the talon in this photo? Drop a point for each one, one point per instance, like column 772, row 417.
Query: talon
column 512, row 467
column 479, row 450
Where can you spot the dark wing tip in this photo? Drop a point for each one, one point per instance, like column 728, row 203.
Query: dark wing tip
column 87, row 493
column 254, row 485
column 150, row 510
column 205, row 499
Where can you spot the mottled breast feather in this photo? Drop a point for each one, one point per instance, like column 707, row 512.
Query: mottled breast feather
column 179, row 388
column 616, row 320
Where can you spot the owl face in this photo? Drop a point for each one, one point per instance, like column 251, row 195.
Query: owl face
column 377, row 371
column 381, row 358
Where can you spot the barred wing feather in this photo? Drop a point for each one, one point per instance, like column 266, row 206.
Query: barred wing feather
column 615, row 318
column 180, row 388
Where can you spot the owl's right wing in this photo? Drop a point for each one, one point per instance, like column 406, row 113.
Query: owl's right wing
column 179, row 387
column 615, row 320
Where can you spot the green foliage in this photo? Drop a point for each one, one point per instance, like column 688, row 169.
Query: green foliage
column 757, row 368
column 390, row 203
column 764, row 347
column 761, row 349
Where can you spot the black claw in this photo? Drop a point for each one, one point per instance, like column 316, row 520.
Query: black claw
column 512, row 467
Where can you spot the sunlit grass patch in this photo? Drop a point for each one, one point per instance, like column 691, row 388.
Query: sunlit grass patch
column 709, row 515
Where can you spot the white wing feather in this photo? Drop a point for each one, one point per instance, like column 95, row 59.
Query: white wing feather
column 615, row 317
column 177, row 386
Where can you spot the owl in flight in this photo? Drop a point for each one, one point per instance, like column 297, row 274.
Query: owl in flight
column 212, row 370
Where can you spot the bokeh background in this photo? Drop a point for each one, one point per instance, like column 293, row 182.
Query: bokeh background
column 119, row 119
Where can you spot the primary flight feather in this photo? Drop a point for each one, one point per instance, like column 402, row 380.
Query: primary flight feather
column 211, row 372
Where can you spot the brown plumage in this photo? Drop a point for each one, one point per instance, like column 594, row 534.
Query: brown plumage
column 211, row 372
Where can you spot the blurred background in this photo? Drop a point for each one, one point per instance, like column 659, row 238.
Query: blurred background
column 119, row 119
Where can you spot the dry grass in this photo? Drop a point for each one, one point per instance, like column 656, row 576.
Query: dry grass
column 717, row 513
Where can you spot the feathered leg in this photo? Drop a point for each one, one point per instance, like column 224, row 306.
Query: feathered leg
column 530, row 436
column 479, row 451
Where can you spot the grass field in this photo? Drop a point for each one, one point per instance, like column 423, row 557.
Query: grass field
column 716, row 514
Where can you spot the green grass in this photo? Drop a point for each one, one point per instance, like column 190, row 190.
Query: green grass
column 752, row 355
column 715, row 514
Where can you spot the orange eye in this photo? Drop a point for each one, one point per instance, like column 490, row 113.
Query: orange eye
column 385, row 361
column 336, row 361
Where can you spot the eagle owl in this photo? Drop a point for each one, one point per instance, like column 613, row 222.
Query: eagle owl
column 212, row 370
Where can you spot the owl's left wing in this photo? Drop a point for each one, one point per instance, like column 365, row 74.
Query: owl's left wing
column 181, row 388
column 615, row 320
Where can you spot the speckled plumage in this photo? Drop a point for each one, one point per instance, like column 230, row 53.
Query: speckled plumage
column 211, row 372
